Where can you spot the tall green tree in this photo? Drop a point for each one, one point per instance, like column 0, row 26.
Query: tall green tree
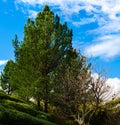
column 46, row 44
column 6, row 77
column 16, row 45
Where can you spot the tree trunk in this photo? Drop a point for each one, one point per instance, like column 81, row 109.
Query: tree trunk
column 38, row 102
column 46, row 106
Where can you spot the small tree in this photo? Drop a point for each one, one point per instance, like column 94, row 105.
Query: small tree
column 99, row 89
column 6, row 77
column 71, row 86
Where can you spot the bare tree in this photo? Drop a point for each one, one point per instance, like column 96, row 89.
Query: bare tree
column 99, row 89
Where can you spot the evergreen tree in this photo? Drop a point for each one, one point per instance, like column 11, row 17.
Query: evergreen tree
column 47, row 43
column 16, row 45
column 6, row 77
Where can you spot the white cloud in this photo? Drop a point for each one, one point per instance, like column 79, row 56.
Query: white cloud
column 114, row 87
column 3, row 62
column 114, row 83
column 106, row 47
column 109, row 7
column 83, row 21
column 32, row 13
column 106, row 13
column 102, row 10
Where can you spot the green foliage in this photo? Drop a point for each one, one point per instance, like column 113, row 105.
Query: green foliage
column 113, row 103
column 2, row 91
column 26, row 108
column 47, row 43
column 6, row 77
column 16, row 45
column 60, row 120
column 14, row 117
column 13, row 111
column 21, row 107
column 3, row 96
column 71, row 83
column 48, row 69
column 100, row 117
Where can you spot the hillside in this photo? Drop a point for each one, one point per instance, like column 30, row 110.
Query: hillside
column 14, row 111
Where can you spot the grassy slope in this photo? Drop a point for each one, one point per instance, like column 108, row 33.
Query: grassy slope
column 14, row 111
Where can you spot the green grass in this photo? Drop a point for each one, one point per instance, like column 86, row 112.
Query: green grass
column 14, row 111
column 15, row 117
column 4, row 96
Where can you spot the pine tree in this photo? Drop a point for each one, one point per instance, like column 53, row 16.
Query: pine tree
column 47, row 43
column 6, row 77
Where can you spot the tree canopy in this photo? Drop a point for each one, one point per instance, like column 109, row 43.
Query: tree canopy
column 47, row 43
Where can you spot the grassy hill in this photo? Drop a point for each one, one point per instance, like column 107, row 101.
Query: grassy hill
column 14, row 111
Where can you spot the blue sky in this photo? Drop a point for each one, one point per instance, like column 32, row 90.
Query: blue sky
column 95, row 24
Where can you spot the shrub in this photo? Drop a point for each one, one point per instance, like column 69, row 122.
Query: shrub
column 4, row 96
column 29, row 109
column 21, row 107
column 100, row 117
column 14, row 117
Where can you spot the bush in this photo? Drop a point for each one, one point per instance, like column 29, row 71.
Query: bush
column 14, row 117
column 60, row 120
column 20, row 106
column 4, row 96
column 1, row 91
column 100, row 117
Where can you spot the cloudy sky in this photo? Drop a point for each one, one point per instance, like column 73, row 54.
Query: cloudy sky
column 95, row 24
